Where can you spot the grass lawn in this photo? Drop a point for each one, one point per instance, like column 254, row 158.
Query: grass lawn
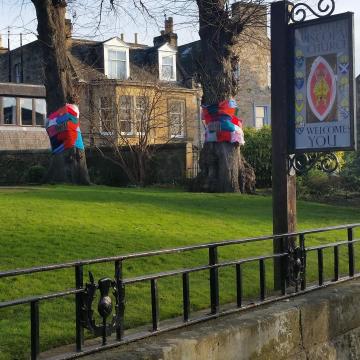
column 56, row 224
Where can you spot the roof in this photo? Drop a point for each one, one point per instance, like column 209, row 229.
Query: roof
column 87, row 60
column 86, row 57
column 190, row 57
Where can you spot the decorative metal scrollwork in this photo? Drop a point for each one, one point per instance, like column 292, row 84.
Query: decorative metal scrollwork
column 303, row 163
column 295, row 268
column 299, row 12
column 105, row 307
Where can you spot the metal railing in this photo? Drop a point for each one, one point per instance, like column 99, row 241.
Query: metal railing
column 293, row 282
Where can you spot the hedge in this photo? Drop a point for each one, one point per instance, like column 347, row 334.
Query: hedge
column 257, row 152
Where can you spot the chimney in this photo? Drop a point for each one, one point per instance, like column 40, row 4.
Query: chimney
column 68, row 28
column 122, row 37
column 136, row 38
column 167, row 35
column 169, row 25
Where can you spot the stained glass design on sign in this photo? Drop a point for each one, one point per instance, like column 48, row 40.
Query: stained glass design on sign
column 323, row 113
column 300, row 97
column 321, row 88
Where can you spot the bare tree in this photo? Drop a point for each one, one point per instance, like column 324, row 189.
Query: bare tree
column 135, row 121
column 222, row 31
column 68, row 166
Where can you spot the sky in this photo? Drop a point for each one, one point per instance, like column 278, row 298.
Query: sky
column 19, row 16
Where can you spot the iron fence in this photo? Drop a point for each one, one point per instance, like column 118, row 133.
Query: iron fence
column 293, row 262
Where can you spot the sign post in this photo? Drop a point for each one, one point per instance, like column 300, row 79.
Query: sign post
column 312, row 103
column 283, row 181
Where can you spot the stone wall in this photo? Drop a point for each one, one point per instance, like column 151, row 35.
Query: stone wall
column 324, row 324
column 23, row 138
column 170, row 165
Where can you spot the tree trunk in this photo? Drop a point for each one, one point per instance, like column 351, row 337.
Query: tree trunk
column 68, row 166
column 222, row 168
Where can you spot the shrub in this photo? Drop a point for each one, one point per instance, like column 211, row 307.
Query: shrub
column 350, row 171
column 257, row 151
column 35, row 174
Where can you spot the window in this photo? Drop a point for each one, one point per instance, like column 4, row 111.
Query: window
column 116, row 59
column 177, row 118
column 141, row 114
column 22, row 111
column 9, row 110
column 262, row 116
column 26, row 108
column 167, row 67
column 106, row 115
column 167, row 62
column 40, row 112
column 117, row 64
column 125, row 121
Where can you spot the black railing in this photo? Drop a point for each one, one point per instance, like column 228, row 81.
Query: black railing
column 293, row 282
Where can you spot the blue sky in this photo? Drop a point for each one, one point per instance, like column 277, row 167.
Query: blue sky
column 22, row 19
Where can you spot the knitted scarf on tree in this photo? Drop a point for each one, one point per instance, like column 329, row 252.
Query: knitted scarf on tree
column 63, row 128
column 221, row 123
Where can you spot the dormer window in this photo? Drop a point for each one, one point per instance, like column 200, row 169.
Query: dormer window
column 116, row 59
column 117, row 64
column 167, row 63
column 167, row 67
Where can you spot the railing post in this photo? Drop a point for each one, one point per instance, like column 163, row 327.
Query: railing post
column 120, row 300
column 350, row 232
column 186, row 296
column 214, row 280
column 262, row 279
column 239, row 290
column 320, row 266
column 284, row 261
column 336, row 263
column 35, row 330
column 303, row 261
column 154, row 304
column 79, row 283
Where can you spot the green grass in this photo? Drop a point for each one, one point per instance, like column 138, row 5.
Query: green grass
column 48, row 225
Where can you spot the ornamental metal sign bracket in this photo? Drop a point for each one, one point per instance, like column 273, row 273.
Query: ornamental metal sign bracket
column 303, row 163
column 321, row 86
column 105, row 307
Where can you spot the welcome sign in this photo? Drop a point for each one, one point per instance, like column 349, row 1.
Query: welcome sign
column 323, row 104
